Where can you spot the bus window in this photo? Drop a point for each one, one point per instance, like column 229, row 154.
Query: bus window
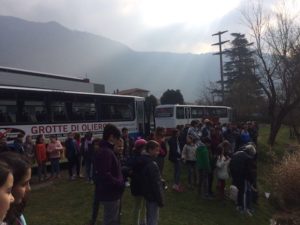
column 83, row 111
column 34, row 111
column 164, row 112
column 8, row 111
column 197, row 112
column 59, row 113
column 117, row 112
column 179, row 112
column 218, row 112
column 221, row 112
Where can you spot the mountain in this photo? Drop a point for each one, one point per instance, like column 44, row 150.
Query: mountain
column 52, row 48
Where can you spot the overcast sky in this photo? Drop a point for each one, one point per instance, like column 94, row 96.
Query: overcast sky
column 143, row 25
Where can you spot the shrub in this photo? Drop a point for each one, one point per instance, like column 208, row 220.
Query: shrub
column 286, row 181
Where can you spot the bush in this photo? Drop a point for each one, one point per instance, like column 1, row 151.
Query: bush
column 286, row 178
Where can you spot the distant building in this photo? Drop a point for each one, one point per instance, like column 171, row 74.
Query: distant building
column 27, row 78
column 134, row 91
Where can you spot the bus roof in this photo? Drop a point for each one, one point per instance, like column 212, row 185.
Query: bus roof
column 42, row 74
column 208, row 106
column 67, row 92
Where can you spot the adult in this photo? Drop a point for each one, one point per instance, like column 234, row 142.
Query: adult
column 109, row 182
column 41, row 157
column 29, row 148
column 194, row 131
column 87, row 152
column 71, row 154
column 54, row 150
column 128, row 143
column 175, row 158
column 242, row 175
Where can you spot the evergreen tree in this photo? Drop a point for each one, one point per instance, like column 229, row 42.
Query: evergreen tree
column 242, row 91
column 171, row 96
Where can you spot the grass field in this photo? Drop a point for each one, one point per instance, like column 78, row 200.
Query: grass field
column 64, row 202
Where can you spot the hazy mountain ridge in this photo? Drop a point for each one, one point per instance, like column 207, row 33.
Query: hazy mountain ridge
column 50, row 47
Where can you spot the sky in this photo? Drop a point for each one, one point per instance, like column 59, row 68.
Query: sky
column 181, row 26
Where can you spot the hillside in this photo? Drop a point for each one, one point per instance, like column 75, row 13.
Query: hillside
column 50, row 47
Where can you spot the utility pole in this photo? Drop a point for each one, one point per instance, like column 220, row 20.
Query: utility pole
column 220, row 43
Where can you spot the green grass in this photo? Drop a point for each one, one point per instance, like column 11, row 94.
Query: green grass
column 69, row 202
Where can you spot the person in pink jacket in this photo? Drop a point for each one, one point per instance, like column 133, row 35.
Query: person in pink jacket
column 54, row 150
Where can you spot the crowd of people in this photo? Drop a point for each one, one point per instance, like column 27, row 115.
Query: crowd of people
column 210, row 152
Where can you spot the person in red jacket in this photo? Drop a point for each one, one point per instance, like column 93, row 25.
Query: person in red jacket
column 41, row 157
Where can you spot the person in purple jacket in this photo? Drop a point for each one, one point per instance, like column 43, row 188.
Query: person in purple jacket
column 109, row 183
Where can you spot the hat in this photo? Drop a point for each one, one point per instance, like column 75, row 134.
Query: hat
column 139, row 142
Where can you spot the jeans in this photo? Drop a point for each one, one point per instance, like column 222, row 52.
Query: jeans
column 73, row 162
column 88, row 168
column 152, row 213
column 191, row 172
column 111, row 215
column 55, row 169
column 42, row 170
column 138, row 210
column 177, row 172
column 244, row 192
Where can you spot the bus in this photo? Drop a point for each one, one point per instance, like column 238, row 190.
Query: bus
column 34, row 111
column 170, row 116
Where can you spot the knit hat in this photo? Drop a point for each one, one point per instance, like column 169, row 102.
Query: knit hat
column 139, row 142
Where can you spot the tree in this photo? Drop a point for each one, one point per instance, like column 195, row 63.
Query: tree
column 277, row 49
column 171, row 96
column 242, row 91
column 207, row 95
column 150, row 104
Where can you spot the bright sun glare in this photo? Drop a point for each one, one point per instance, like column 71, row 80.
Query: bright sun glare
column 160, row 13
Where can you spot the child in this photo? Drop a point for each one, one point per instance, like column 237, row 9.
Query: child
column 222, row 171
column 21, row 169
column 189, row 157
column 54, row 149
column 41, row 157
column 135, row 165
column 203, row 164
column 6, row 183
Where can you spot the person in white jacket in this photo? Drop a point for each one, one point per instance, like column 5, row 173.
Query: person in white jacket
column 222, row 171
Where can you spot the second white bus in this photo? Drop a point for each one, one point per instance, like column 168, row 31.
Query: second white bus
column 170, row 116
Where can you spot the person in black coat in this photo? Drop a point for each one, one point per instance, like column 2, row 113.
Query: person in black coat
column 175, row 158
column 241, row 169
column 152, row 185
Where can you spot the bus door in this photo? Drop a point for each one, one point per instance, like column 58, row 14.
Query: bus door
column 140, row 117
column 187, row 115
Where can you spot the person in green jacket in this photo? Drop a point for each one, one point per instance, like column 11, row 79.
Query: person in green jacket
column 203, row 165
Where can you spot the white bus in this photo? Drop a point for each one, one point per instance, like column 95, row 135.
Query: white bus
column 34, row 111
column 169, row 116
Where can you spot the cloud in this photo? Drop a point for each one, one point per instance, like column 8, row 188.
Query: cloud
column 144, row 25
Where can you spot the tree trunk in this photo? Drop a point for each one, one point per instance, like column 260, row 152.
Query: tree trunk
column 276, row 122
column 275, row 126
column 297, row 133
